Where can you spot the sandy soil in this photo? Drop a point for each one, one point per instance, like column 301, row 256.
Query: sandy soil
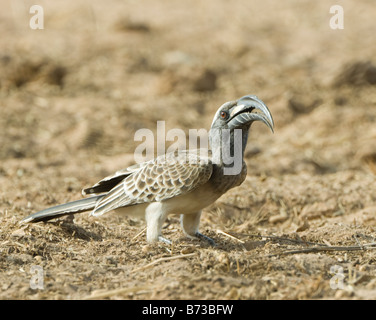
column 302, row 226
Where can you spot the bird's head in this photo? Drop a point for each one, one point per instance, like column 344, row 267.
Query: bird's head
column 232, row 118
column 240, row 114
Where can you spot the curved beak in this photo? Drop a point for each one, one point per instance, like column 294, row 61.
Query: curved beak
column 243, row 113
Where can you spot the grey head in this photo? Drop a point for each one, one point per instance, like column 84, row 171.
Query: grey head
column 240, row 114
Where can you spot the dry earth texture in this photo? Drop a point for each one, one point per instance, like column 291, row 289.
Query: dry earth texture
column 72, row 96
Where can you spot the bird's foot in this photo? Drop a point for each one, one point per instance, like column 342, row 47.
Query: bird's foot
column 162, row 239
column 206, row 238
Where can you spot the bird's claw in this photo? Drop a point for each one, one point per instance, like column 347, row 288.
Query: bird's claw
column 162, row 239
column 206, row 238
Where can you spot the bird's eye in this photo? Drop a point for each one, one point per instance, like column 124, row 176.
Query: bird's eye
column 224, row 114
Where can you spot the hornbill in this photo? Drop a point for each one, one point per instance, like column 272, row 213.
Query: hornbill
column 180, row 182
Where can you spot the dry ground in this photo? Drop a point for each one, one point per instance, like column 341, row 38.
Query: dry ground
column 73, row 95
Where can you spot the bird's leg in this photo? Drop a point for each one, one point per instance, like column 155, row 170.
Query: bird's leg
column 155, row 217
column 190, row 223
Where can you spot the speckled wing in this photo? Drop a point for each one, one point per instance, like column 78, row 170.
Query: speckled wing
column 160, row 179
column 107, row 183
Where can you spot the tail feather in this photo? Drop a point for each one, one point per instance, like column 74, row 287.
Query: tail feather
column 63, row 209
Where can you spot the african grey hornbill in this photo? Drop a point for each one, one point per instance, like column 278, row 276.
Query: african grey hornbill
column 182, row 182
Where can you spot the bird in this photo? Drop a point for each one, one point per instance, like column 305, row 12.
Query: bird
column 181, row 182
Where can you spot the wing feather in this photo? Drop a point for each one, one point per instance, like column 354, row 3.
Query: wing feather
column 107, row 183
column 160, row 179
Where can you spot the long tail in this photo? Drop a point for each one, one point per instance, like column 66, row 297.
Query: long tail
column 63, row 209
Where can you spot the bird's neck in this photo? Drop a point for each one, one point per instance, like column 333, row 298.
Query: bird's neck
column 228, row 148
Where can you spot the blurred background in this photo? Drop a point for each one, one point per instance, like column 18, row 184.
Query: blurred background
column 98, row 71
